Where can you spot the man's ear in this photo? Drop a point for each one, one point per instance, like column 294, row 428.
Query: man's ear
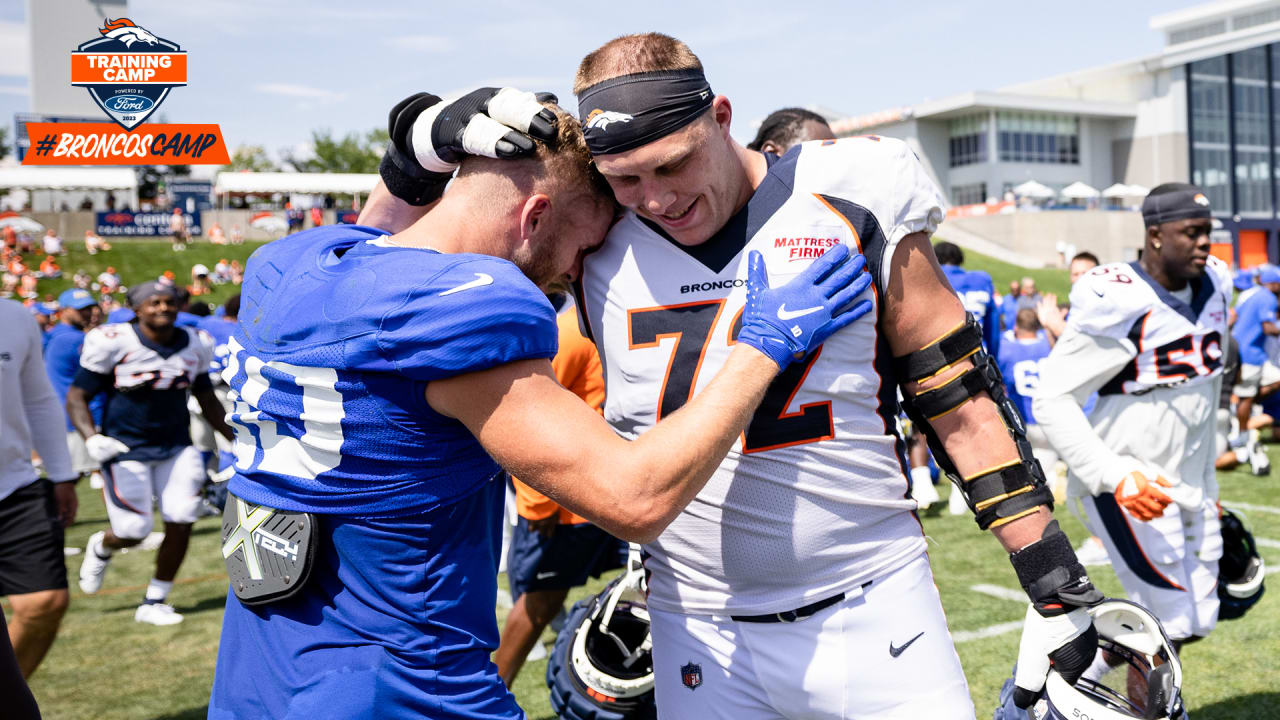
column 535, row 214
column 722, row 111
column 768, row 146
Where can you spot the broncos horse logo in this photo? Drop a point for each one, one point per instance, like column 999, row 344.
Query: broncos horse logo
column 125, row 31
column 600, row 119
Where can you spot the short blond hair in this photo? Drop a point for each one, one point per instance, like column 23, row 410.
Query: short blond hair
column 629, row 54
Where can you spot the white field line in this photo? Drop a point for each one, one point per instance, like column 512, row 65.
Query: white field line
column 1267, row 542
column 965, row 636
column 1251, row 508
column 1003, row 593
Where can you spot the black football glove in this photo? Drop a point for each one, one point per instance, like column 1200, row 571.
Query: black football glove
column 429, row 137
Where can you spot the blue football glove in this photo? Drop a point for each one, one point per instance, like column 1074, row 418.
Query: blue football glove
column 788, row 322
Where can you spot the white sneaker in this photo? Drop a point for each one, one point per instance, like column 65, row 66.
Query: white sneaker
column 94, row 567
column 1092, row 552
column 1259, row 463
column 922, row 489
column 955, row 502
column 537, row 652
column 95, row 480
column 157, row 614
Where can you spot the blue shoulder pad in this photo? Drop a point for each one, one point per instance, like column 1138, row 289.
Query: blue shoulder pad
column 480, row 312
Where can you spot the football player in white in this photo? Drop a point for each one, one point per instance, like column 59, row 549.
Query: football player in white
column 147, row 368
column 796, row 583
column 1147, row 336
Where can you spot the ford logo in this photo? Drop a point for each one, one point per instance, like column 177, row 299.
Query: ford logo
column 129, row 103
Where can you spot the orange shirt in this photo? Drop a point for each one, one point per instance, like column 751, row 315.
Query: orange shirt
column 577, row 367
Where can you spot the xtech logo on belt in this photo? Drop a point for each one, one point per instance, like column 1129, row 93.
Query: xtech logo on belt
column 128, row 71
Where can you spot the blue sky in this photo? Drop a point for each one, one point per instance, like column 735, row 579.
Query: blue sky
column 271, row 71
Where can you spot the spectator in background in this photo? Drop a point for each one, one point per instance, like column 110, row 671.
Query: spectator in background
column 49, row 269
column 1259, row 376
column 33, row 511
column 237, row 272
column 216, row 236
column 237, row 235
column 1052, row 317
column 199, row 281
column 108, row 280
column 1009, row 305
column 82, row 279
column 94, row 244
column 221, row 272
column 178, row 228
column 788, row 127
column 79, row 313
column 317, row 216
column 10, row 238
column 25, row 245
column 52, row 244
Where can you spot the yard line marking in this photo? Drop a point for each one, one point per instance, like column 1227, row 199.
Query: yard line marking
column 965, row 636
column 1003, row 593
column 1253, row 508
column 1267, row 542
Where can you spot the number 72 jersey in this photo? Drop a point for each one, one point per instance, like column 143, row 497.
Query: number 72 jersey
column 812, row 499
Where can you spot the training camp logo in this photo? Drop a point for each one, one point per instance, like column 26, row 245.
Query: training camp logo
column 128, row 70
column 1200, row 200
column 601, row 119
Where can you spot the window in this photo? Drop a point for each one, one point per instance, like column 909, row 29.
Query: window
column 1217, row 27
column 1251, row 119
column 968, row 144
column 971, row 194
column 1038, row 138
column 1210, row 153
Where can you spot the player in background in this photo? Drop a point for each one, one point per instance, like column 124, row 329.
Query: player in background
column 1021, row 351
column 796, row 584
column 215, row 451
column 784, row 129
column 417, row 397
column 1147, row 337
column 147, row 367
column 1052, row 317
column 977, row 293
column 1259, row 376
column 33, row 510
column 78, row 313
column 554, row 550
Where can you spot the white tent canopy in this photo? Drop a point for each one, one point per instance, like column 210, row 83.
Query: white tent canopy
column 1139, row 191
column 1118, row 190
column 1079, row 190
column 68, row 178
column 283, row 182
column 1033, row 189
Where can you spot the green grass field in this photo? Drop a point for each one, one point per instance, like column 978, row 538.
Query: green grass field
column 107, row 667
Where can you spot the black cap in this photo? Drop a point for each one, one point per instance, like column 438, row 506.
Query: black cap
column 139, row 293
column 1174, row 201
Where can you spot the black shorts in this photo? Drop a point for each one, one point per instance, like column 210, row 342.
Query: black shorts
column 565, row 560
column 31, row 556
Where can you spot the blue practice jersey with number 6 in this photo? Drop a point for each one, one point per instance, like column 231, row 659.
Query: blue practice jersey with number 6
column 339, row 335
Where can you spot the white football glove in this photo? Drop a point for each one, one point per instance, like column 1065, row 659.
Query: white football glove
column 102, row 448
column 1067, row 641
column 490, row 122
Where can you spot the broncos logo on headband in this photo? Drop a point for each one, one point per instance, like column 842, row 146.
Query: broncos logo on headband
column 125, row 31
column 600, row 119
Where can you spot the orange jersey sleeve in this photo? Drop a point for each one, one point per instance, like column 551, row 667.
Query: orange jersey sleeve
column 577, row 367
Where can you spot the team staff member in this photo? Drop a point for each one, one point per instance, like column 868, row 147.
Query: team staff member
column 147, row 367
column 788, row 127
column 391, row 419
column 78, row 312
column 1147, row 337
column 554, row 550
column 803, row 550
column 33, row 511
column 1255, row 323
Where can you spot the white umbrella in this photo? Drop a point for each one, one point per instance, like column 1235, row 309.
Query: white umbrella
column 1031, row 188
column 21, row 224
column 270, row 224
column 1138, row 191
column 1118, row 190
column 1079, row 190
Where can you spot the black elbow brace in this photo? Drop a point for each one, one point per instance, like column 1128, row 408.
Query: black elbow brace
column 999, row 494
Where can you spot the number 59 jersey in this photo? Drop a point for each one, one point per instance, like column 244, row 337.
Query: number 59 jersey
column 812, row 499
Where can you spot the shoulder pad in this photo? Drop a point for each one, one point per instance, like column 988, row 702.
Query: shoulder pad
column 1108, row 299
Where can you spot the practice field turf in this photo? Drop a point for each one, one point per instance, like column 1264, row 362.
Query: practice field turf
column 107, row 667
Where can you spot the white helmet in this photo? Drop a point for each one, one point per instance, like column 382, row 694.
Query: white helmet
column 1130, row 633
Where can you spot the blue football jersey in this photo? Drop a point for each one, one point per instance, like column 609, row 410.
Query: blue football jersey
column 977, row 293
column 1255, row 306
column 338, row 336
column 1020, row 365
column 220, row 330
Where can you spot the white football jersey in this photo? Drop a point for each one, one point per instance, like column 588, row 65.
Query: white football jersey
column 119, row 351
column 812, row 499
column 1159, row 405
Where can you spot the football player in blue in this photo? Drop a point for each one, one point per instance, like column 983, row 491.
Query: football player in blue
column 976, row 291
column 382, row 380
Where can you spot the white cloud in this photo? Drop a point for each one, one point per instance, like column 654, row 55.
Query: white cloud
column 434, row 44
column 304, row 92
column 15, row 51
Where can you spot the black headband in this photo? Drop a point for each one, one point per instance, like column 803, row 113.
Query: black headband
column 1182, row 204
column 141, row 292
column 625, row 112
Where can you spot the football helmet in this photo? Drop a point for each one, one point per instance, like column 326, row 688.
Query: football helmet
column 1240, row 571
column 602, row 667
column 1133, row 636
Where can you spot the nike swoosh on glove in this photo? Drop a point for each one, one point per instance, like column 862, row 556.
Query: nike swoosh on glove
column 1145, row 491
column 102, row 448
column 786, row 323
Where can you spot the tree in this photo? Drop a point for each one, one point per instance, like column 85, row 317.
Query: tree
column 4, row 143
column 352, row 153
column 252, row 158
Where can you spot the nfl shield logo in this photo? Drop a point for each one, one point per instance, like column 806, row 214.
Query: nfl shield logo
column 128, row 71
column 691, row 675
